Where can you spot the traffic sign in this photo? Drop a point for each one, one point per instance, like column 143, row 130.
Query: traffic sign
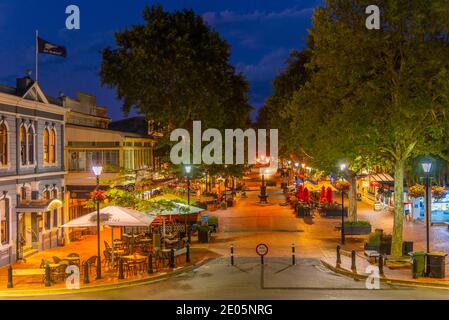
column 262, row 249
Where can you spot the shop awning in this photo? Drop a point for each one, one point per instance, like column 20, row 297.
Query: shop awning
column 381, row 177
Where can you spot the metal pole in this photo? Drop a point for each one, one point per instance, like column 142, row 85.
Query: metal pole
column 342, row 217
column 428, row 212
column 338, row 263
column 293, row 254
column 98, row 233
column 232, row 255
column 188, row 190
column 353, row 262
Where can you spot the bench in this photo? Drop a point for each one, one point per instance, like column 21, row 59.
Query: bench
column 372, row 255
column 26, row 273
column 394, row 262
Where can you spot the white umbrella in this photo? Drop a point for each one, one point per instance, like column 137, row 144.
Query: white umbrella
column 113, row 216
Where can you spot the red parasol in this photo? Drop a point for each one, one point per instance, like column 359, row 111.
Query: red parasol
column 323, row 194
column 329, row 195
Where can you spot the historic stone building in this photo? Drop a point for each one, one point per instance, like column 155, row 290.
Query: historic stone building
column 31, row 170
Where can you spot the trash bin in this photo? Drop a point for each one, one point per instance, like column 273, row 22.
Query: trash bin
column 407, row 247
column 437, row 264
column 419, row 264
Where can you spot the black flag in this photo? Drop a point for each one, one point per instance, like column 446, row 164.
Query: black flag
column 50, row 48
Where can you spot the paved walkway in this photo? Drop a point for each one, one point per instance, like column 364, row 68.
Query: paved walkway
column 86, row 248
column 247, row 224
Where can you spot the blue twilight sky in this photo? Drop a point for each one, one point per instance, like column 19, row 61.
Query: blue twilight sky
column 261, row 33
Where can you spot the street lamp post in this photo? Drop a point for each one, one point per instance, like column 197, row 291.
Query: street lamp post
column 343, row 240
column 188, row 169
column 427, row 166
column 97, row 171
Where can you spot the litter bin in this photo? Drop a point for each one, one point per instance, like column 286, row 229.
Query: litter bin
column 419, row 264
column 437, row 264
column 407, row 247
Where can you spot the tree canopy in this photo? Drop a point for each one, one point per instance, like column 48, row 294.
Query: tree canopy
column 378, row 96
column 175, row 69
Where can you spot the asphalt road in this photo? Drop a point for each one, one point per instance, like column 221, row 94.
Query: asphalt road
column 247, row 279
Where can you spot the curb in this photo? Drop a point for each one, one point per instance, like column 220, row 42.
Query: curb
column 99, row 288
column 391, row 281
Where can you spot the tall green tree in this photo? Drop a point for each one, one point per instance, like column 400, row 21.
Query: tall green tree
column 385, row 91
column 174, row 69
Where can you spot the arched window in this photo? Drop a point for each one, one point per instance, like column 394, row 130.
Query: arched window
column 30, row 139
column 4, row 221
column 52, row 146
column 3, row 144
column 23, row 145
column 46, row 145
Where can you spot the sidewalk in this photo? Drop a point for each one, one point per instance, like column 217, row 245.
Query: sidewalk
column 86, row 248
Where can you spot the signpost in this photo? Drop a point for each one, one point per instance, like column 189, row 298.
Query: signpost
column 262, row 250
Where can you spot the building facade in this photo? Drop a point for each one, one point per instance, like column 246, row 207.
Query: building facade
column 89, row 142
column 31, row 170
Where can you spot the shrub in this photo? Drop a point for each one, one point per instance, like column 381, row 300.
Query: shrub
column 213, row 220
column 360, row 223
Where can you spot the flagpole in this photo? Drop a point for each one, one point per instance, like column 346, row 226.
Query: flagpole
column 37, row 55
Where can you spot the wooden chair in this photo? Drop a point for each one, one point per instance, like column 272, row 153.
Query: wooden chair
column 77, row 261
column 91, row 262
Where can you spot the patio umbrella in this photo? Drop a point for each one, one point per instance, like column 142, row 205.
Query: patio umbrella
column 323, row 194
column 113, row 216
column 329, row 195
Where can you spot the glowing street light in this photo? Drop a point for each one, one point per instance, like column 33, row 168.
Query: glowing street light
column 97, row 170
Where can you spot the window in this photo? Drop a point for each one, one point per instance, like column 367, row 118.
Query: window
column 46, row 145
column 23, row 144
column 52, row 146
column 23, row 194
column 30, row 140
column 4, row 221
column 3, row 145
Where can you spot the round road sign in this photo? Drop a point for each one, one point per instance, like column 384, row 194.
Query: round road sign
column 262, row 249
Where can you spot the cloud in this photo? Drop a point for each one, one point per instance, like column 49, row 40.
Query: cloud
column 267, row 67
column 227, row 16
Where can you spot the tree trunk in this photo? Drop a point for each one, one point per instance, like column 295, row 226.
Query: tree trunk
column 352, row 196
column 396, row 246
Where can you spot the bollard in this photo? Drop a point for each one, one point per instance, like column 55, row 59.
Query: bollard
column 381, row 265
column 120, row 270
column 86, row 273
column 293, row 254
column 338, row 257
column 150, row 263
column 10, row 276
column 232, row 255
column 47, row 276
column 188, row 252
column 353, row 265
column 172, row 258
column 261, row 260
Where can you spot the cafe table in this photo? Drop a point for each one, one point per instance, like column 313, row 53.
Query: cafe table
column 136, row 258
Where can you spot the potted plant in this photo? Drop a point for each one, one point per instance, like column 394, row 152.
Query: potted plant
column 300, row 210
column 213, row 222
column 416, row 191
column 374, row 240
column 357, row 227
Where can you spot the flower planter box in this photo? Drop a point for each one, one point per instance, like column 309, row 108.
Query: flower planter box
column 357, row 230
column 334, row 212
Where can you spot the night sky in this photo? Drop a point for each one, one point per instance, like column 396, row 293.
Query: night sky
column 261, row 33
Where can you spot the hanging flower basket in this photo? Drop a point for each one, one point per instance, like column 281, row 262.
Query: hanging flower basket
column 416, row 191
column 98, row 195
column 438, row 192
